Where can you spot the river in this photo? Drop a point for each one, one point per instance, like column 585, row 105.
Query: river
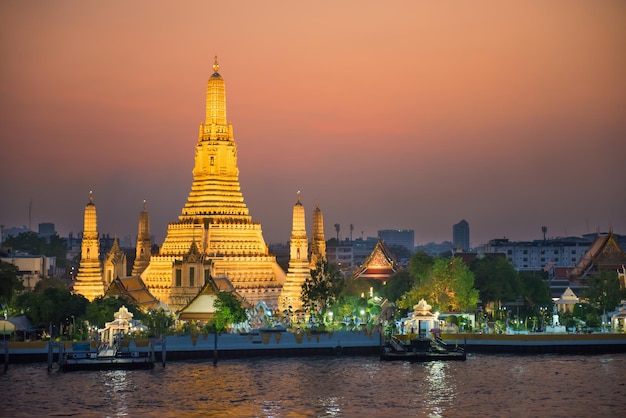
column 484, row 385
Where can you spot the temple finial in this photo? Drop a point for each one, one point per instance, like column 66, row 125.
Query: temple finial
column 90, row 196
column 216, row 65
column 298, row 196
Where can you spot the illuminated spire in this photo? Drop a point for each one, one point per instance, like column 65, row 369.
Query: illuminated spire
column 144, row 243
column 89, row 281
column 216, row 221
column 318, row 242
column 216, row 103
column 298, row 270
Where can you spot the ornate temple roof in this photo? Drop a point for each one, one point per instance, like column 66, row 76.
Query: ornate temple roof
column 202, row 306
column 380, row 264
column 604, row 253
column 133, row 289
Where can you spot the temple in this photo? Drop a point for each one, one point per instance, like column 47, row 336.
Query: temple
column 380, row 264
column 89, row 280
column 318, row 242
column 114, row 264
column 215, row 234
column 299, row 269
column 144, row 243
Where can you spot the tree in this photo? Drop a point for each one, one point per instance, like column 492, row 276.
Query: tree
column 102, row 310
column 420, row 266
column 321, row 289
column 397, row 285
column 449, row 287
column 228, row 311
column 159, row 322
column 534, row 289
column 603, row 291
column 33, row 244
column 496, row 279
column 10, row 283
column 358, row 287
column 55, row 306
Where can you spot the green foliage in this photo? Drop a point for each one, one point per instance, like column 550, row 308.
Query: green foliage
column 158, row 322
column 228, row 311
column 397, row 285
column 358, row 287
column 603, row 292
column 47, row 282
column 10, row 283
column 323, row 287
column 420, row 266
column 346, row 306
column 102, row 310
column 33, row 244
column 52, row 305
column 449, row 287
column 496, row 279
column 534, row 289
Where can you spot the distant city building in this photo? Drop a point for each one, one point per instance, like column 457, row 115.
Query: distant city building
column 461, row 235
column 349, row 255
column 12, row 232
column 341, row 254
column 31, row 268
column 46, row 230
column 540, row 254
column 400, row 237
column 435, row 249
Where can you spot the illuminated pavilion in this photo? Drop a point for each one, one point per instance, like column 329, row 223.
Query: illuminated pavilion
column 215, row 234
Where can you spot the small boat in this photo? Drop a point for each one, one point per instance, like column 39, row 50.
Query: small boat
column 420, row 350
column 82, row 357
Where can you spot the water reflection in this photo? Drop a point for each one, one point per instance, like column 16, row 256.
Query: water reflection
column 328, row 387
column 117, row 386
column 441, row 389
column 331, row 406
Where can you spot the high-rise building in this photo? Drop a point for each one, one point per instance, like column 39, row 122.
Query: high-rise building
column 401, row 237
column 461, row 235
column 215, row 234
column 46, row 230
column 89, row 281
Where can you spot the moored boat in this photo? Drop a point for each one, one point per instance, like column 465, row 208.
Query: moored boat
column 420, row 350
column 83, row 357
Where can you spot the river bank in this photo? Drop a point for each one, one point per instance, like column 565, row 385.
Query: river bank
column 271, row 342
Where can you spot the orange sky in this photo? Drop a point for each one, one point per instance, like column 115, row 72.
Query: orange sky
column 416, row 114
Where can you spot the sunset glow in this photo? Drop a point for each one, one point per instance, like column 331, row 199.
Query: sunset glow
column 409, row 114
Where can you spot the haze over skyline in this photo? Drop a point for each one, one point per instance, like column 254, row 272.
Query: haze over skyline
column 403, row 115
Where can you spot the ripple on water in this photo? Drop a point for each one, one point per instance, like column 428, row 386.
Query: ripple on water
column 484, row 385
